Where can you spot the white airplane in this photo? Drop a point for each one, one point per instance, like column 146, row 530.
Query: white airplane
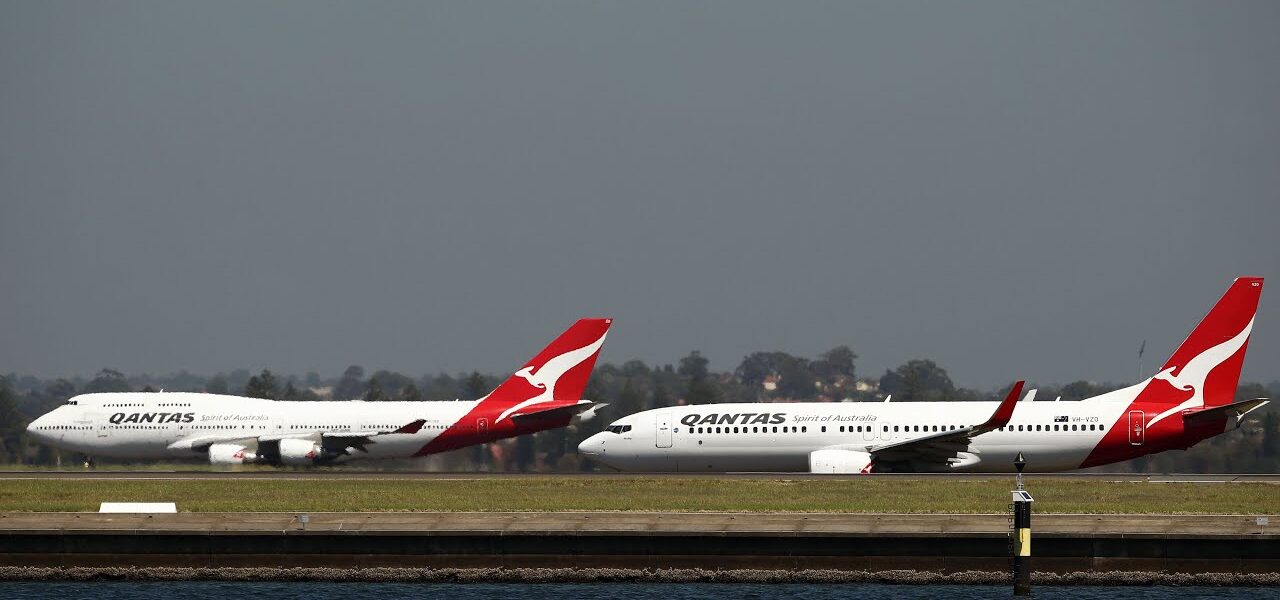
column 1190, row 399
column 545, row 394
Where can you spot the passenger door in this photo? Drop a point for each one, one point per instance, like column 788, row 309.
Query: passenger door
column 100, row 425
column 662, row 429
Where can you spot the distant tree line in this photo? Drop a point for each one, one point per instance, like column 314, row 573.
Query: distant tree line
column 628, row 388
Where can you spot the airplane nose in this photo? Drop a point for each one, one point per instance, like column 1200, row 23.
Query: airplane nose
column 592, row 446
column 33, row 430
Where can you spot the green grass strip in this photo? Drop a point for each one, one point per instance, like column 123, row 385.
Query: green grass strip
column 856, row 494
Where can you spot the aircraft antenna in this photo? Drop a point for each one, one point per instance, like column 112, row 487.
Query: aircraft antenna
column 1141, row 349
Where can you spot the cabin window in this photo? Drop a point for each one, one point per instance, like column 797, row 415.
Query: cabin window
column 804, row 429
column 775, row 430
column 824, row 429
column 895, row 428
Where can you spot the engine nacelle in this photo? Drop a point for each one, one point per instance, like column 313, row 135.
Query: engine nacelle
column 299, row 452
column 840, row 461
column 230, row 454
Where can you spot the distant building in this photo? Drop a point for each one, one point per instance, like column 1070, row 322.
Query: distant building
column 771, row 383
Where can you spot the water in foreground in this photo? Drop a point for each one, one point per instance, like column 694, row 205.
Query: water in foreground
column 217, row 590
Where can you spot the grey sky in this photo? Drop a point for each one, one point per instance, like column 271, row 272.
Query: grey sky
column 1012, row 189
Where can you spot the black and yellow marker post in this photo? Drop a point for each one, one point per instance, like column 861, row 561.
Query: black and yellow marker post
column 1021, row 545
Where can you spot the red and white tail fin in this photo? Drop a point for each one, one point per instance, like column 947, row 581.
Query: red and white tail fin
column 557, row 374
column 1205, row 369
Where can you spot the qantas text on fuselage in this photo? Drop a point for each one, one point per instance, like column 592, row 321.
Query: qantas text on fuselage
column 1191, row 398
column 546, row 393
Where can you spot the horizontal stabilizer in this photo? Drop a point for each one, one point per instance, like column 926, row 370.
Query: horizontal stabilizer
column 1217, row 413
column 559, row 412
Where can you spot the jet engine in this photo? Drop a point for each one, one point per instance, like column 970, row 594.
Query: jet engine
column 840, row 461
column 230, row 454
column 299, row 452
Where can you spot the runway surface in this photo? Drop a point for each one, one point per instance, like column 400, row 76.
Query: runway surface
column 190, row 475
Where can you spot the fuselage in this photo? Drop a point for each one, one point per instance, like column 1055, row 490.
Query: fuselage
column 779, row 437
column 545, row 393
column 155, row 425
column 1190, row 399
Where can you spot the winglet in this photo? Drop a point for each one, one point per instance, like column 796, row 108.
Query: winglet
column 1004, row 412
column 412, row 427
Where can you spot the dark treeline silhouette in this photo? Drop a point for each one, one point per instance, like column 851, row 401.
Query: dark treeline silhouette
column 630, row 387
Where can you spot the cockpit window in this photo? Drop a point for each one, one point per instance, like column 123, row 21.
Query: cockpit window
column 72, row 402
column 618, row 428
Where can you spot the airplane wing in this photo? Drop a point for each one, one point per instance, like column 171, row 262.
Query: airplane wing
column 339, row 441
column 1238, row 410
column 945, row 446
column 202, row 442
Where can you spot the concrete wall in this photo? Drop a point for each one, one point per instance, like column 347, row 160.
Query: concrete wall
column 939, row 543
